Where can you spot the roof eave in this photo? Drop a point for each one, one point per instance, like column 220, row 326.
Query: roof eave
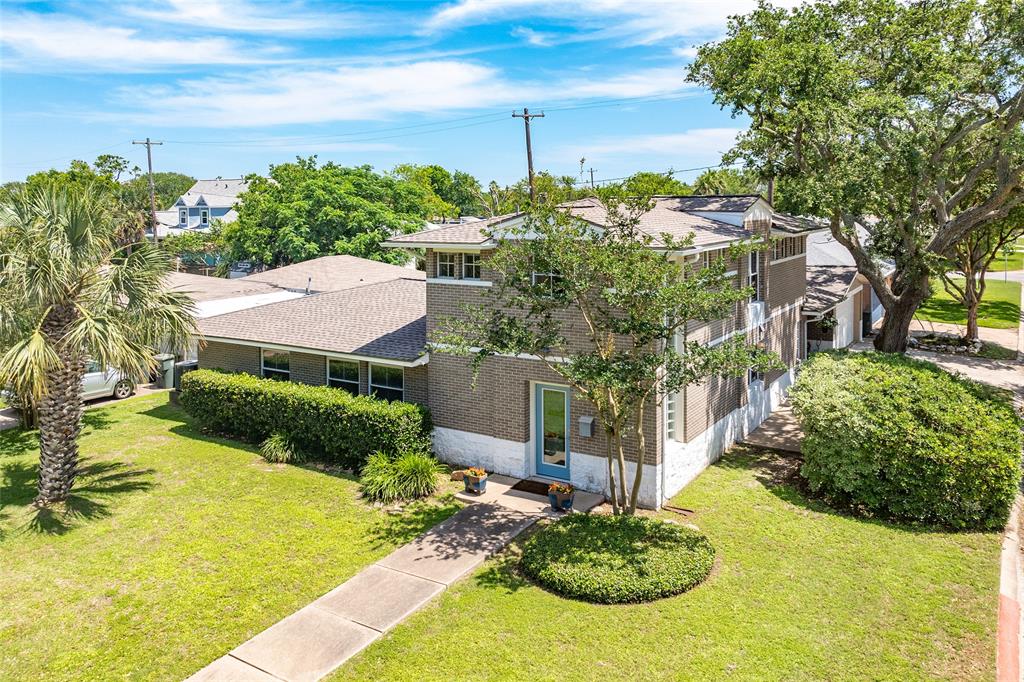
column 419, row 361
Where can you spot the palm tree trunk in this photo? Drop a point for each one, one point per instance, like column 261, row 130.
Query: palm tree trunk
column 60, row 414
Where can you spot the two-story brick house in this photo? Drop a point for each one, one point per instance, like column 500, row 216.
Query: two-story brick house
column 521, row 420
column 364, row 327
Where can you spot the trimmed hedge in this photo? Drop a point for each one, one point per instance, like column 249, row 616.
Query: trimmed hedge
column 903, row 439
column 617, row 559
column 326, row 423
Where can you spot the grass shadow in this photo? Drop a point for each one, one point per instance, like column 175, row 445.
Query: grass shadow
column 779, row 473
column 414, row 520
column 96, row 486
column 17, row 441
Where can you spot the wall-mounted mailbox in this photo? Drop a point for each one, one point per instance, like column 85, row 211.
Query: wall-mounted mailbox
column 586, row 426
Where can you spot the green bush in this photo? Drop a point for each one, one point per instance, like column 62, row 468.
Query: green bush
column 406, row 477
column 326, row 423
column 278, row 449
column 617, row 559
column 903, row 439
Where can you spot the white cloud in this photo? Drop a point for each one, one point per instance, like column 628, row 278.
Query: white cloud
column 535, row 38
column 369, row 92
column 635, row 21
column 246, row 16
column 692, row 147
column 37, row 40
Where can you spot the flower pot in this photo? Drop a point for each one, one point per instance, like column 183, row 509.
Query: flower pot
column 474, row 484
column 561, row 501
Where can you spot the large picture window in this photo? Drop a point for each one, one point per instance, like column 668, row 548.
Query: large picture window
column 276, row 364
column 446, row 265
column 343, row 374
column 387, row 382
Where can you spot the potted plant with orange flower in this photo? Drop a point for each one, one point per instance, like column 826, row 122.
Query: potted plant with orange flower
column 561, row 495
column 475, row 480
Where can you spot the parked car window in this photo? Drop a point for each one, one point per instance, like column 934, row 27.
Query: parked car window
column 343, row 374
column 387, row 382
column 277, row 365
column 471, row 266
column 92, row 366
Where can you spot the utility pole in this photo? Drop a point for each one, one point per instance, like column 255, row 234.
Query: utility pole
column 591, row 178
column 152, row 189
column 526, row 116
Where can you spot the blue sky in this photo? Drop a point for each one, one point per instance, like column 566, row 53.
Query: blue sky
column 232, row 86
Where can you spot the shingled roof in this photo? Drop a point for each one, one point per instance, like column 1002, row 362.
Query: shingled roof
column 827, row 286
column 669, row 215
column 385, row 320
column 333, row 273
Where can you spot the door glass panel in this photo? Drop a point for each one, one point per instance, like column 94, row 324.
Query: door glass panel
column 554, row 427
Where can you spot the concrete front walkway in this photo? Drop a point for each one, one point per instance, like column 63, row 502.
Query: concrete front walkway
column 315, row 640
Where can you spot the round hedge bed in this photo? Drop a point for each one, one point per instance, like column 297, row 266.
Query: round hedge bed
column 617, row 559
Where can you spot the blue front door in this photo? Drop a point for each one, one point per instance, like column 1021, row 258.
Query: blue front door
column 551, row 430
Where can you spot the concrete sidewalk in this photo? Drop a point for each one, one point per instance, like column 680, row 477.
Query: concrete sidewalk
column 315, row 640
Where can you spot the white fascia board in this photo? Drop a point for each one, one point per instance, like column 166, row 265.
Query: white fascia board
column 422, row 360
column 441, row 246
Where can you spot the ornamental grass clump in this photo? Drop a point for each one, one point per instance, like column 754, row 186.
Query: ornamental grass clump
column 409, row 476
column 278, row 449
column 889, row 436
column 617, row 559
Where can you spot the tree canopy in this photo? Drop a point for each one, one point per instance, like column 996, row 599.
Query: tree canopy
column 728, row 181
column 901, row 116
column 304, row 210
column 457, row 192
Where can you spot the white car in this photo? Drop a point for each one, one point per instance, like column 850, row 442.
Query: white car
column 99, row 384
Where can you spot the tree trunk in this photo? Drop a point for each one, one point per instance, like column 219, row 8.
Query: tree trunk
column 641, row 449
column 60, row 415
column 895, row 330
column 972, row 313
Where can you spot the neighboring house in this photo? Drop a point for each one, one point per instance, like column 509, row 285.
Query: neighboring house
column 351, row 323
column 841, row 306
column 205, row 202
column 519, row 418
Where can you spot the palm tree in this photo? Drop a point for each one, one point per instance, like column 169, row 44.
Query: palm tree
column 71, row 290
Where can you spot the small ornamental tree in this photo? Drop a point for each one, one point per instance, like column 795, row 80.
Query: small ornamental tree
column 974, row 256
column 633, row 300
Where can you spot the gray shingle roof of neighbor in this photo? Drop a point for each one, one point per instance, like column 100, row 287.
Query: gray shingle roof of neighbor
column 827, row 286
column 333, row 273
column 717, row 203
column 204, row 288
column 797, row 224
column 385, row 320
column 669, row 215
column 218, row 193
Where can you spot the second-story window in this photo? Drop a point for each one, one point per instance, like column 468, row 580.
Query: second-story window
column 753, row 276
column 183, row 216
column 204, row 217
column 548, row 280
column 471, row 266
column 446, row 265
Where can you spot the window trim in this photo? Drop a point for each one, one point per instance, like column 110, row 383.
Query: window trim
column 552, row 277
column 454, row 264
column 371, row 385
column 263, row 368
column 479, row 270
column 357, row 382
column 183, row 216
column 204, row 217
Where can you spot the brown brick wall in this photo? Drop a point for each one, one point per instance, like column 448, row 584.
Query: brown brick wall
column 230, row 357
column 499, row 406
column 306, row 368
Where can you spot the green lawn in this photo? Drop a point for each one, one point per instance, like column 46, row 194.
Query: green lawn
column 999, row 308
column 1014, row 262
column 177, row 547
column 799, row 592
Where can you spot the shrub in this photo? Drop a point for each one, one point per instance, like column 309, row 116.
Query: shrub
column 324, row 422
column 278, row 449
column 903, row 439
column 617, row 559
column 406, row 477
